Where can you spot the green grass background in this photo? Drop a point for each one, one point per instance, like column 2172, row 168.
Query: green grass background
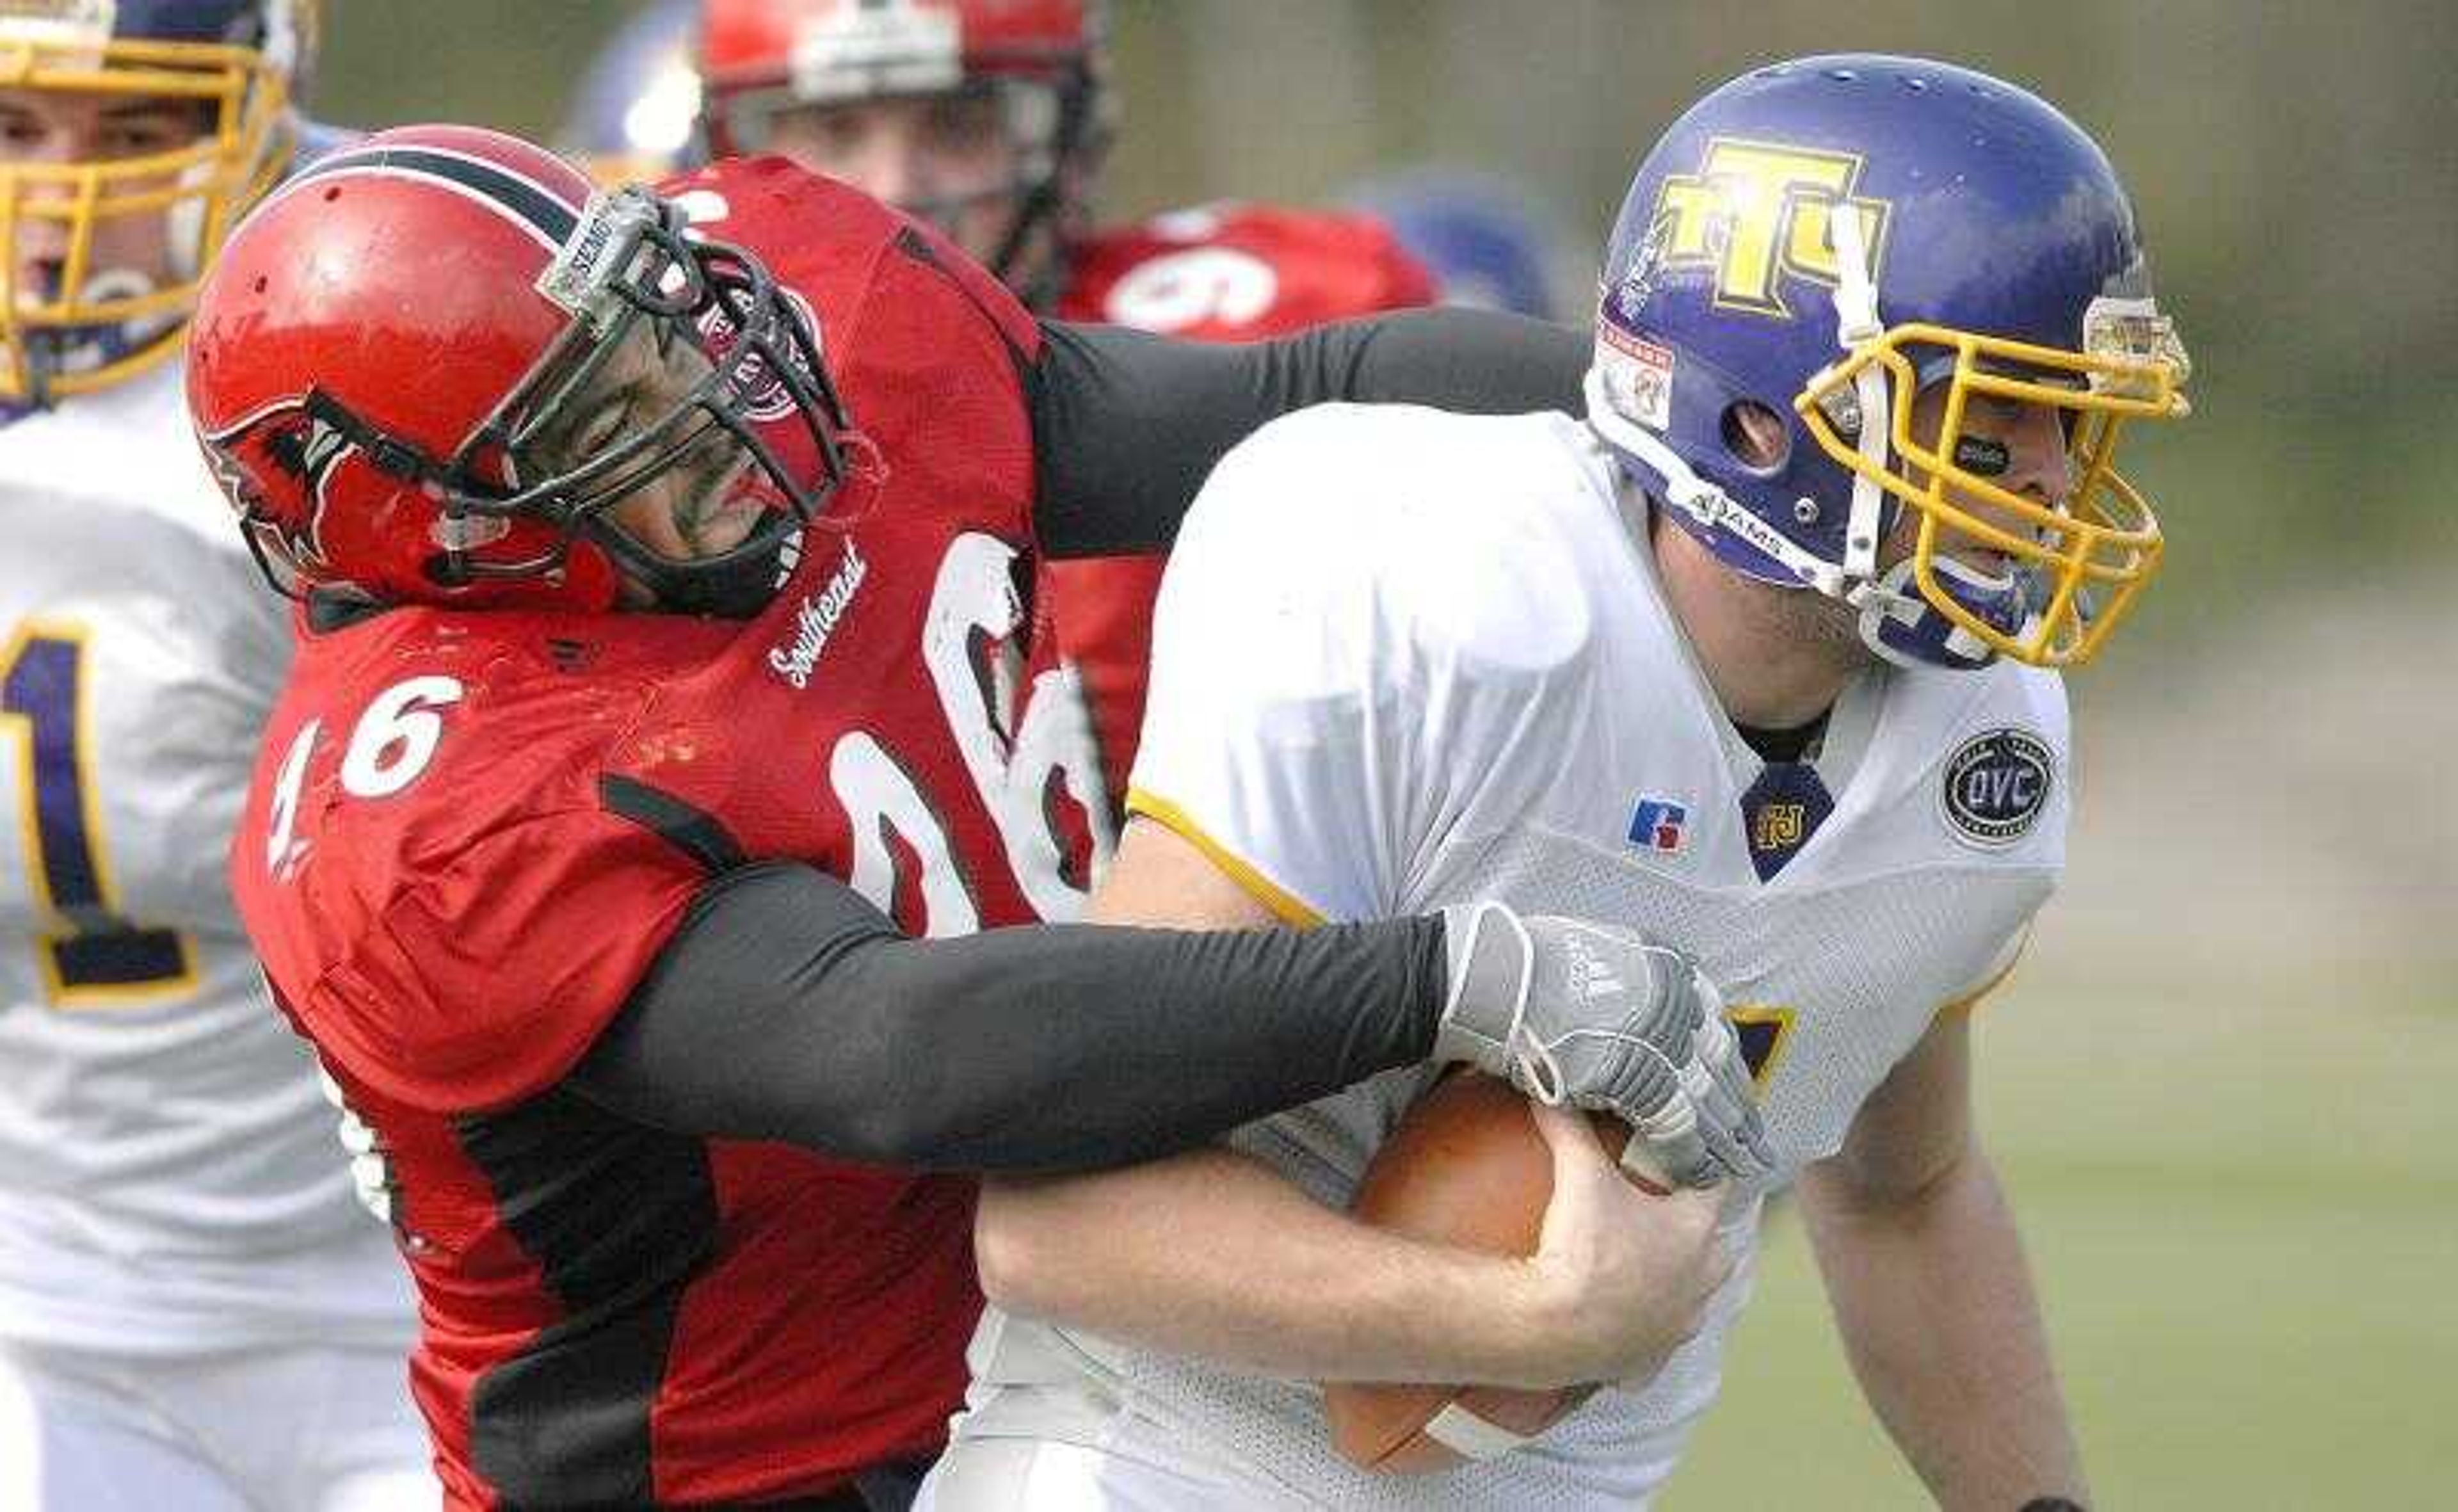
column 2242, row 1208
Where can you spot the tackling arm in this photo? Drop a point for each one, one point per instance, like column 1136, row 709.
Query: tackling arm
column 788, row 1007
column 1936, row 1307
column 1212, row 1254
column 1125, row 425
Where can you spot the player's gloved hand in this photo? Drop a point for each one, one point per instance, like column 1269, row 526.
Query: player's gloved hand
column 1595, row 1017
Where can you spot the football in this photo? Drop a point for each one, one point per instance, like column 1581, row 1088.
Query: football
column 1467, row 1167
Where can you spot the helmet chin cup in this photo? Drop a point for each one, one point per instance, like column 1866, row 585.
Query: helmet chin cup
column 1901, row 624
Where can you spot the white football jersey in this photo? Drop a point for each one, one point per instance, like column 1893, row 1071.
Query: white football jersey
column 170, row 1176
column 1408, row 660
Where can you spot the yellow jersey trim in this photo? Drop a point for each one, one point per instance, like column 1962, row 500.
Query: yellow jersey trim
column 1284, row 904
column 1970, row 1000
column 1781, row 1021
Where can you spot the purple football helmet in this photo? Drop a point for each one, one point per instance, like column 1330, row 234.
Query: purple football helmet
column 1806, row 251
column 1486, row 246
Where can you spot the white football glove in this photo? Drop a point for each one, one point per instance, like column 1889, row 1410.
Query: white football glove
column 1595, row 1017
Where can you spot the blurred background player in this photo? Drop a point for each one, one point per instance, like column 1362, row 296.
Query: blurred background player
column 193, row 1311
column 1487, row 246
column 634, row 114
column 991, row 118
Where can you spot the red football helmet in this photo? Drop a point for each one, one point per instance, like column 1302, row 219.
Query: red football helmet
column 1045, row 61
column 432, row 367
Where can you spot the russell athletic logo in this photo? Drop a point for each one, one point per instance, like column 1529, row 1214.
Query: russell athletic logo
column 816, row 620
column 1659, row 824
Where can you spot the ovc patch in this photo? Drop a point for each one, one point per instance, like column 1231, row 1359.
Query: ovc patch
column 1995, row 786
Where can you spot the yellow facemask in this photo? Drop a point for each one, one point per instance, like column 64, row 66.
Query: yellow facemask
column 2087, row 556
column 93, row 326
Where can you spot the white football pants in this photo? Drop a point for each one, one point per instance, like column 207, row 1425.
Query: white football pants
column 262, row 1430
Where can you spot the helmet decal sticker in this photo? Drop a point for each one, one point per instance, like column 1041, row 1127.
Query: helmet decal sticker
column 1637, row 376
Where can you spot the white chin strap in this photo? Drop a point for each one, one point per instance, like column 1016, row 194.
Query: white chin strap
column 104, row 342
column 1702, row 501
column 187, row 219
column 1855, row 579
column 1856, row 321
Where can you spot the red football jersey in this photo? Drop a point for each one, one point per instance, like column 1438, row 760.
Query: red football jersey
column 1222, row 272
column 471, row 834
column 1240, row 273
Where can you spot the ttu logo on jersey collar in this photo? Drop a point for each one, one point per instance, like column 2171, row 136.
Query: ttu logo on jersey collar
column 1661, row 825
column 1780, row 812
column 816, row 620
column 1995, row 786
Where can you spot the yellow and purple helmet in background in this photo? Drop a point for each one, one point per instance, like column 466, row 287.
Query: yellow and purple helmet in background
column 69, row 322
column 1809, row 248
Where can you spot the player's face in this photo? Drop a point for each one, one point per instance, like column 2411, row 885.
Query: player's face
column 709, row 498
column 947, row 157
column 131, row 254
column 2034, row 444
column 2031, row 440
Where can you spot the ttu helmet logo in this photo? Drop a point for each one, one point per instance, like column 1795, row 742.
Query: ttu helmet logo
column 1757, row 210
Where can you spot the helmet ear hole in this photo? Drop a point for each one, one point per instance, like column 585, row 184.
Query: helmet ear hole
column 1756, row 436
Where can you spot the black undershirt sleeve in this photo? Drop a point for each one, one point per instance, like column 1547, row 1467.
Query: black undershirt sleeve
column 786, row 1008
column 1127, row 425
